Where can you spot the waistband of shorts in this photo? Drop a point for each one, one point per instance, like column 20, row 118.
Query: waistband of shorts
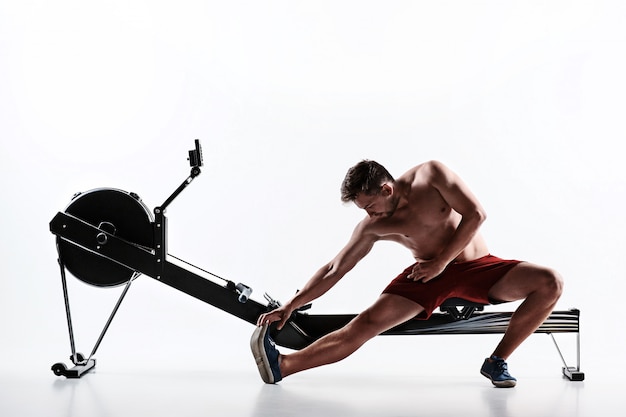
column 474, row 260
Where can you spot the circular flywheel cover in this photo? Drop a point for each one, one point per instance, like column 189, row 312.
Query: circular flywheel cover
column 117, row 212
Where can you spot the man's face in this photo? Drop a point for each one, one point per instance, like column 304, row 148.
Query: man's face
column 382, row 204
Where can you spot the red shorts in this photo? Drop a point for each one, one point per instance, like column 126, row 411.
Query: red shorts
column 470, row 280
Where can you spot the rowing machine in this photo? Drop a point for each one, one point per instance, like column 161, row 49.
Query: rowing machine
column 107, row 237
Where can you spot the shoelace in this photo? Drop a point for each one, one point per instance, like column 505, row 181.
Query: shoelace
column 502, row 367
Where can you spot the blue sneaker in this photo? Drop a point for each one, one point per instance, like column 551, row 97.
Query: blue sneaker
column 265, row 355
column 496, row 370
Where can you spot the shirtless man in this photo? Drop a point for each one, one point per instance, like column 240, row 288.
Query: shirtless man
column 431, row 212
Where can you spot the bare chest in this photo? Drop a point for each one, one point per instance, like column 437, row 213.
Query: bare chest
column 424, row 226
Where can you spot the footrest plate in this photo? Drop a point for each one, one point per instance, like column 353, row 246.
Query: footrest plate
column 573, row 374
column 76, row 371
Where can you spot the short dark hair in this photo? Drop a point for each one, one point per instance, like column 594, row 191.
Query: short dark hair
column 365, row 177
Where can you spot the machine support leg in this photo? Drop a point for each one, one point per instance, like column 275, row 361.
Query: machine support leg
column 571, row 372
column 82, row 365
column 117, row 306
column 68, row 314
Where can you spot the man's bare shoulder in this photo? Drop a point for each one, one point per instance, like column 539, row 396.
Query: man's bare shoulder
column 367, row 229
column 426, row 172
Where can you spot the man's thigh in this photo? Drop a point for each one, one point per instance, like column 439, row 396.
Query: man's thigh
column 519, row 282
column 388, row 311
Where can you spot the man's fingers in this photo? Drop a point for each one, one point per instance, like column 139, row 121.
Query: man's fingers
column 263, row 319
column 271, row 317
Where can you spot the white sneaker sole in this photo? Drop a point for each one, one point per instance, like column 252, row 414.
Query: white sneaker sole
column 260, row 357
column 509, row 383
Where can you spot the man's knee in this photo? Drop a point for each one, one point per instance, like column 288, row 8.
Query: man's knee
column 365, row 324
column 388, row 311
column 552, row 283
column 370, row 323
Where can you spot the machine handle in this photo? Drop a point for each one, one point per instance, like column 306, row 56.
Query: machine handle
column 244, row 292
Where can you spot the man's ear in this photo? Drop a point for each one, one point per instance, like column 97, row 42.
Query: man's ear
column 386, row 190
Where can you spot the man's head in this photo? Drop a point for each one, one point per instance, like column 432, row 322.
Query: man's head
column 368, row 183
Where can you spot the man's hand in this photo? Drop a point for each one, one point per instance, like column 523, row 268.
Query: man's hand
column 281, row 314
column 426, row 270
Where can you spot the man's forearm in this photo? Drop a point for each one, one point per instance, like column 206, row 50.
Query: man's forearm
column 465, row 232
column 322, row 281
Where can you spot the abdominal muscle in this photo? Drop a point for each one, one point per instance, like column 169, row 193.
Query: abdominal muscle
column 425, row 248
column 477, row 248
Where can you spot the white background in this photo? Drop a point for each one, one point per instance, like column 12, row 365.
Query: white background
column 525, row 100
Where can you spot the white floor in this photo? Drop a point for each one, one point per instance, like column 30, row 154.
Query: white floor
column 184, row 359
column 197, row 362
column 352, row 390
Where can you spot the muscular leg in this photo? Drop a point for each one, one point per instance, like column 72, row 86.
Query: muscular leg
column 540, row 287
column 388, row 311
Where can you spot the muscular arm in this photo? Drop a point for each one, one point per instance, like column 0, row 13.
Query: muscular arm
column 459, row 197
column 327, row 276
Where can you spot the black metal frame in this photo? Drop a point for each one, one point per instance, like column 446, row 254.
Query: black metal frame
column 457, row 316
